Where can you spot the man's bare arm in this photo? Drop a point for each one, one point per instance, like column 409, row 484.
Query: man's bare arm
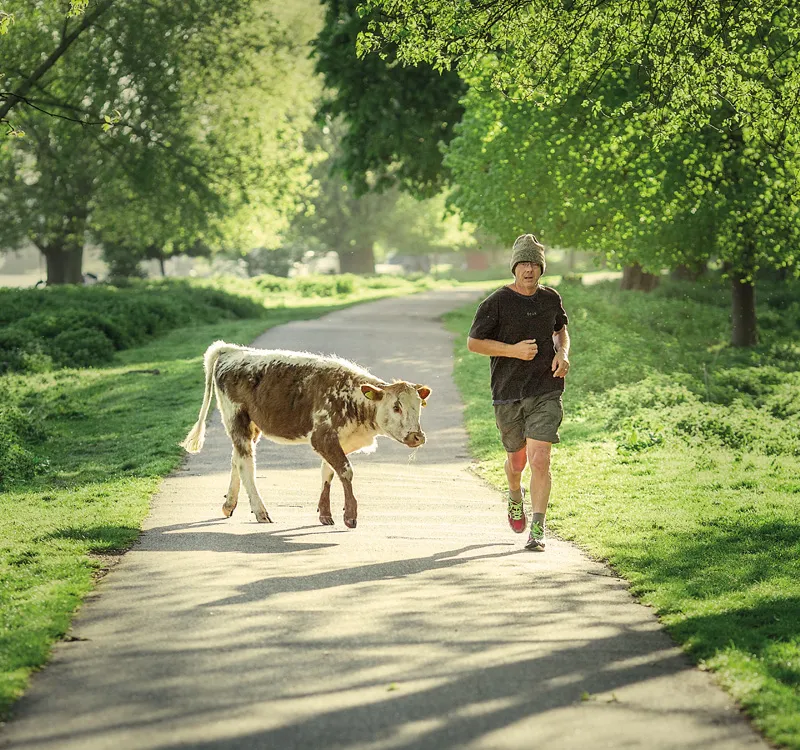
column 526, row 350
column 560, row 366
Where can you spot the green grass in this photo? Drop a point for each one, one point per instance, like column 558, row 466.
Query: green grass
column 95, row 444
column 680, row 466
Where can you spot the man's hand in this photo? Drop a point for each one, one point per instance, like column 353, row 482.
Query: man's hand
column 526, row 350
column 560, row 366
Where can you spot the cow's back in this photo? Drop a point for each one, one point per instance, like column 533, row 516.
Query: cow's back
column 285, row 393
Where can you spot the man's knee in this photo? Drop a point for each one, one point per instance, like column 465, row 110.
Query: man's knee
column 517, row 460
column 539, row 457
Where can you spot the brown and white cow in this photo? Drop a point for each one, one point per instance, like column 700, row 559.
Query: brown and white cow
column 296, row 397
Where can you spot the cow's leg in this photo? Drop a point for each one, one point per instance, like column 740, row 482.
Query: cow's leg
column 243, row 435
column 325, row 441
column 247, row 469
column 324, row 507
column 233, row 489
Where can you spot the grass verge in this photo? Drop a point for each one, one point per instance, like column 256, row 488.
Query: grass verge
column 680, row 466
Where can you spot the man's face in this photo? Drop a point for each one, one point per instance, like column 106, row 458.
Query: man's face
column 527, row 274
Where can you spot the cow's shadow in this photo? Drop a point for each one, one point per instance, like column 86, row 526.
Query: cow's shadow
column 187, row 537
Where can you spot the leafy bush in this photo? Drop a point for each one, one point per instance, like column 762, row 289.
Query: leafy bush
column 749, row 383
column 82, row 347
column 324, row 286
column 84, row 326
column 345, row 285
column 18, row 432
column 674, row 370
column 272, row 283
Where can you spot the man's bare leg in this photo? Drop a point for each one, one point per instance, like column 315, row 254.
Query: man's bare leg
column 538, row 452
column 515, row 465
column 541, row 479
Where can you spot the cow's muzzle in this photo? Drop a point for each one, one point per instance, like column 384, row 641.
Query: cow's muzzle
column 415, row 439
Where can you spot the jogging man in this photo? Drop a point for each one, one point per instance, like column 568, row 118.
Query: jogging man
column 522, row 327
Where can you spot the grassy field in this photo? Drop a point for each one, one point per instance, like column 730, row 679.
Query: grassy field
column 83, row 450
column 680, row 466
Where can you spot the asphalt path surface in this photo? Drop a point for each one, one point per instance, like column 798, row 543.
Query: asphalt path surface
column 428, row 627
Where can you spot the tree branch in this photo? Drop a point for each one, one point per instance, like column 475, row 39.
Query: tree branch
column 32, row 105
column 17, row 96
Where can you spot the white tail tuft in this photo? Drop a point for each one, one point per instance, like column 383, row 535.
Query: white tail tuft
column 197, row 435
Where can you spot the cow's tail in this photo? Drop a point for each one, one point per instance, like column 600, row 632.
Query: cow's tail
column 197, row 435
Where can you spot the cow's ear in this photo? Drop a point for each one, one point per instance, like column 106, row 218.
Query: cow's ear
column 372, row 392
column 423, row 392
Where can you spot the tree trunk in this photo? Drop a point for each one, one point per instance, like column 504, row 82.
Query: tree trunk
column 570, row 261
column 357, row 260
column 635, row 279
column 161, row 266
column 686, row 272
column 744, row 330
column 64, row 265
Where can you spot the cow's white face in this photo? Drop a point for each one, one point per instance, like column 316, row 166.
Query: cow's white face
column 398, row 407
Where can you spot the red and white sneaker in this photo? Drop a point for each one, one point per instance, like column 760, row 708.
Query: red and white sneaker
column 516, row 515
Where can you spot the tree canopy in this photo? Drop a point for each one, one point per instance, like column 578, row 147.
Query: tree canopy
column 337, row 219
column 597, row 183
column 202, row 141
column 396, row 115
column 731, row 65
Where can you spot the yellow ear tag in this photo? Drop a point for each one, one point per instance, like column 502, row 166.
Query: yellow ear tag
column 424, row 402
column 370, row 395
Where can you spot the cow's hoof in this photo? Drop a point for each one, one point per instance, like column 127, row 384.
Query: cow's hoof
column 263, row 517
column 326, row 520
column 228, row 512
column 350, row 523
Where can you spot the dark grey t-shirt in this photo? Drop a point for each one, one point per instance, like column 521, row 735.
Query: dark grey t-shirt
column 510, row 317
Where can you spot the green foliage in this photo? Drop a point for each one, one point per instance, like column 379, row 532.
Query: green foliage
column 43, row 329
column 324, row 286
column 85, row 326
column 686, row 66
column 20, row 431
column 596, row 183
column 396, row 116
column 76, row 7
column 190, row 144
column 678, row 464
column 272, row 283
column 662, row 134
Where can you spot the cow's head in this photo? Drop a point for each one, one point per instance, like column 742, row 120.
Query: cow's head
column 397, row 412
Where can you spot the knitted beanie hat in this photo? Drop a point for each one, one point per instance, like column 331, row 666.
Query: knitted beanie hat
column 527, row 249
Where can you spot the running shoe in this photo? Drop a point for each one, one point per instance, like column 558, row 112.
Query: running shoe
column 516, row 514
column 535, row 541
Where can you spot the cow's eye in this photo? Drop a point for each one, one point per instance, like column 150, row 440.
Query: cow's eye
column 398, row 408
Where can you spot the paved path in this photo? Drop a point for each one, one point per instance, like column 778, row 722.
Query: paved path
column 426, row 628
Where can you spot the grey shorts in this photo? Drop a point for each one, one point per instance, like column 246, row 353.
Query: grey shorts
column 535, row 417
